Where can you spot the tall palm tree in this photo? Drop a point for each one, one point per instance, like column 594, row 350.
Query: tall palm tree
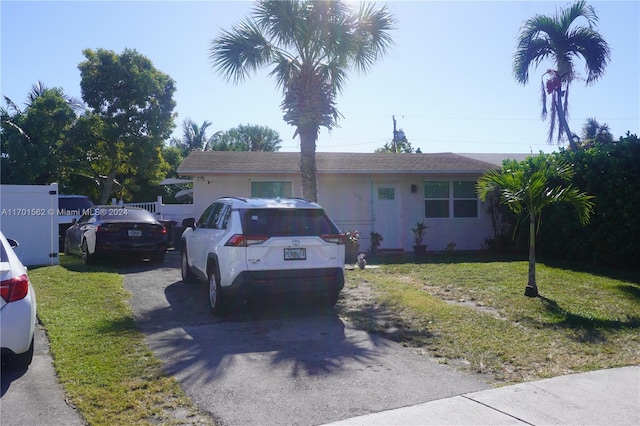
column 528, row 187
column 310, row 46
column 558, row 39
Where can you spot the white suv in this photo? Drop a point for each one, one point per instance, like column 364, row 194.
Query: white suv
column 255, row 246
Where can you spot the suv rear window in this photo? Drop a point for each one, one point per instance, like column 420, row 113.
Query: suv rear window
column 286, row 222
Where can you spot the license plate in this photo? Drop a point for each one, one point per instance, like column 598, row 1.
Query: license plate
column 295, row 254
column 134, row 233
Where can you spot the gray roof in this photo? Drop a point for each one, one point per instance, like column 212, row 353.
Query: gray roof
column 228, row 162
column 498, row 158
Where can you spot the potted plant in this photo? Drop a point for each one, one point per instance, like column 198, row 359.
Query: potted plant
column 376, row 239
column 418, row 236
column 352, row 247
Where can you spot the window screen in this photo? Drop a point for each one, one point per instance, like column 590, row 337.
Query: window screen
column 271, row 189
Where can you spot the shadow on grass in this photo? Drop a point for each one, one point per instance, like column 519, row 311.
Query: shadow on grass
column 588, row 329
column 384, row 322
column 74, row 264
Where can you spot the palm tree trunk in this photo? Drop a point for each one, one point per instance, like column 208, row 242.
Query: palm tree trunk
column 564, row 125
column 308, row 136
column 532, row 288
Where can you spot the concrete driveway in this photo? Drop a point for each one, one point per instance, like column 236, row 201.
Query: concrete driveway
column 278, row 363
column 33, row 396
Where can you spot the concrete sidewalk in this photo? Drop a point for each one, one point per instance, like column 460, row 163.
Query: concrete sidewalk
column 604, row 397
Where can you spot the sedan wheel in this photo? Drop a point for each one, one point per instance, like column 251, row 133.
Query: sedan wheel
column 215, row 295
column 87, row 258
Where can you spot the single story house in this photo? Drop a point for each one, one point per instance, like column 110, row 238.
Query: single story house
column 368, row 192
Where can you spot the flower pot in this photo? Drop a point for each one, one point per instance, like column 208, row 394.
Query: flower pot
column 351, row 253
column 420, row 250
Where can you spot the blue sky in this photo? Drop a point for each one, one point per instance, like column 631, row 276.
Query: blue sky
column 447, row 80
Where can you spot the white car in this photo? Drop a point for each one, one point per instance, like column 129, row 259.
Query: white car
column 255, row 247
column 17, row 308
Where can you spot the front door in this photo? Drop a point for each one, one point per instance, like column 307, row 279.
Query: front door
column 388, row 214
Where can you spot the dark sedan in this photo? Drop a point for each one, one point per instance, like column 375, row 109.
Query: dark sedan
column 117, row 230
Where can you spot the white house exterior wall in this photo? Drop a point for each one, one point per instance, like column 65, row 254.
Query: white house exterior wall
column 207, row 189
column 349, row 200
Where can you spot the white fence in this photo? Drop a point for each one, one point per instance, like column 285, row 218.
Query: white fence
column 171, row 214
column 165, row 212
column 30, row 216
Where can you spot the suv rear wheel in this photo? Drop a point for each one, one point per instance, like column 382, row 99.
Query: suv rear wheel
column 331, row 298
column 216, row 302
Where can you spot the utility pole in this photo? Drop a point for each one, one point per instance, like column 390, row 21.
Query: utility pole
column 395, row 135
column 398, row 135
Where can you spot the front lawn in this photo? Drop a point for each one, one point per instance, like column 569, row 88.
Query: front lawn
column 470, row 314
column 473, row 314
column 106, row 370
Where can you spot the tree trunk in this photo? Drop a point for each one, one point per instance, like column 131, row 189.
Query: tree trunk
column 107, row 187
column 532, row 288
column 308, row 138
column 564, row 125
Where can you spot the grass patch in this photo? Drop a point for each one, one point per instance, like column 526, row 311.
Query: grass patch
column 475, row 314
column 106, row 369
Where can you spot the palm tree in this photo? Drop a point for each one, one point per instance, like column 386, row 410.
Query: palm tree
column 310, row 47
column 558, row 39
column 11, row 115
column 528, row 187
column 595, row 133
column 194, row 137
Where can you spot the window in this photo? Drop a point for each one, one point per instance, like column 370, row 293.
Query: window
column 445, row 199
column 204, row 219
column 220, row 216
column 465, row 203
column 271, row 189
column 386, row 193
column 436, row 203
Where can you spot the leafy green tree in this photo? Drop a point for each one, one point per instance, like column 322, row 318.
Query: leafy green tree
column 246, row 138
column 611, row 173
column 131, row 115
column 310, row 46
column 527, row 188
column 401, row 145
column 558, row 39
column 36, row 136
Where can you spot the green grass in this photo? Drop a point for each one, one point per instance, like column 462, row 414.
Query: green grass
column 107, row 371
column 475, row 314
column 472, row 314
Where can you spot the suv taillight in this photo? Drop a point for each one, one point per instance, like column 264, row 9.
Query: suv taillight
column 334, row 238
column 239, row 240
column 15, row 288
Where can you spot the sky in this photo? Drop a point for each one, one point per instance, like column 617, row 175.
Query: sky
column 447, row 79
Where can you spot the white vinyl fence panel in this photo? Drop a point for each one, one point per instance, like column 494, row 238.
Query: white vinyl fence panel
column 28, row 214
